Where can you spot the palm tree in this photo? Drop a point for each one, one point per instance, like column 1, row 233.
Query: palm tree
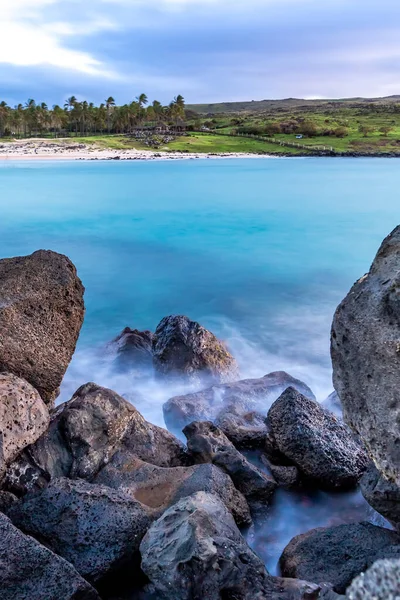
column 4, row 111
column 142, row 100
column 110, row 102
column 69, row 106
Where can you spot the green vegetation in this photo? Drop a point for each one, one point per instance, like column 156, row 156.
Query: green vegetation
column 292, row 126
column 203, row 142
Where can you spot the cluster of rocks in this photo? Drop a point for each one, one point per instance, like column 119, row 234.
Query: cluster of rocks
column 96, row 502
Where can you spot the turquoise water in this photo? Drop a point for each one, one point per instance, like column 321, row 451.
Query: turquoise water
column 259, row 250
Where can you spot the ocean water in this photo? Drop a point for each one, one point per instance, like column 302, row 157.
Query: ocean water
column 258, row 250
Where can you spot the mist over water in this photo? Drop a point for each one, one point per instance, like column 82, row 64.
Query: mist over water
column 260, row 252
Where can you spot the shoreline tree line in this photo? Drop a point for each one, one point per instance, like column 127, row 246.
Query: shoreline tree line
column 82, row 118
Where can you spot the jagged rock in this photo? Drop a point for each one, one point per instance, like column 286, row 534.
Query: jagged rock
column 184, row 348
column 158, row 488
column 41, row 314
column 95, row 528
column 337, row 555
column 380, row 582
column 23, row 417
column 207, row 444
column 238, row 408
column 194, row 550
column 29, row 571
column 314, row 440
column 84, row 434
column 134, row 350
column 365, row 348
column 381, row 494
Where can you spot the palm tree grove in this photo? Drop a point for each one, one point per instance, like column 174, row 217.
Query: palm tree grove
column 82, row 118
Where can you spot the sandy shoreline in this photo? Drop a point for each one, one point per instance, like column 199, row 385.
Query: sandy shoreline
column 40, row 150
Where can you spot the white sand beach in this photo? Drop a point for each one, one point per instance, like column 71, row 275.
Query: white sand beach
column 38, row 149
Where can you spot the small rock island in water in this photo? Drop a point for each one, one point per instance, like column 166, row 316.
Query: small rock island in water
column 98, row 503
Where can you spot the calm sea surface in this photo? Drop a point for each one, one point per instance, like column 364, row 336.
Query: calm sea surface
column 258, row 250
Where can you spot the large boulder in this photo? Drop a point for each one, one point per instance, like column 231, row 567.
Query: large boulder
column 95, row 528
column 381, row 494
column 337, row 555
column 315, row 441
column 23, row 417
column 84, row 434
column 207, row 444
column 239, row 409
column 183, row 348
column 41, row 314
column 365, row 348
column 133, row 350
column 380, row 582
column 158, row 488
column 194, row 550
column 29, row 571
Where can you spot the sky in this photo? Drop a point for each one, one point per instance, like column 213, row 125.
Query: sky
column 206, row 50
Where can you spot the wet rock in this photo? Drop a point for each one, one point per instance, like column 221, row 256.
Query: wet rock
column 207, row 444
column 84, row 434
column 381, row 494
column 134, row 350
column 158, row 488
column 194, row 550
column 184, row 348
column 365, row 349
column 380, row 582
column 29, row 571
column 238, row 408
column 41, row 314
column 315, row 441
column 23, row 417
column 95, row 528
column 337, row 555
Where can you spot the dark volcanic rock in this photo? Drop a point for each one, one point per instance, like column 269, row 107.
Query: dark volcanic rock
column 184, row 348
column 195, row 551
column 285, row 476
column 29, row 571
column 159, row 488
column 95, row 528
column 23, row 417
column 6, row 501
column 84, row 434
column 41, row 314
column 314, row 440
column 365, row 348
column 337, row 555
column 238, row 408
column 380, row 582
column 207, row 444
column 381, row 494
column 134, row 350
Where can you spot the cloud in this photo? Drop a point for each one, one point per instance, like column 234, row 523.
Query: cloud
column 208, row 50
column 28, row 39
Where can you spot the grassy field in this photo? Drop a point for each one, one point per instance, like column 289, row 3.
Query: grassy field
column 202, row 142
column 349, row 126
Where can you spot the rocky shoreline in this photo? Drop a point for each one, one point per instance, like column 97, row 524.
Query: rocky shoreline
column 98, row 503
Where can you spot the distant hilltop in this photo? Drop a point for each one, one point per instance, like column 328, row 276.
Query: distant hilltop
column 285, row 104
